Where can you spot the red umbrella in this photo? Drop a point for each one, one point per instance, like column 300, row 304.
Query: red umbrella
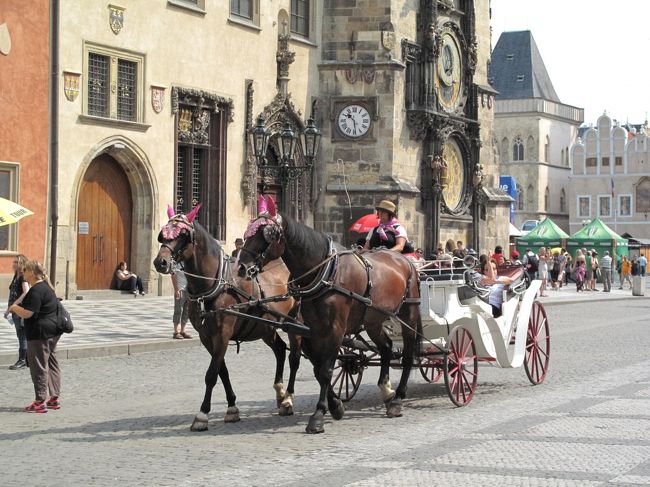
column 365, row 223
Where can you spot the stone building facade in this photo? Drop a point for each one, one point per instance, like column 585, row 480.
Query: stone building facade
column 533, row 130
column 417, row 71
column 610, row 179
column 156, row 100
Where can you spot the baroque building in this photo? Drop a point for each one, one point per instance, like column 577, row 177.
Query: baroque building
column 533, row 130
column 415, row 74
column 610, row 178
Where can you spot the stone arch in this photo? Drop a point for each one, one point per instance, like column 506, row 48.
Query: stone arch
column 505, row 149
column 144, row 191
column 531, row 149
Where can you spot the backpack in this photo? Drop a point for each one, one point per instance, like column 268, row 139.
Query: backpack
column 556, row 264
column 63, row 320
column 533, row 263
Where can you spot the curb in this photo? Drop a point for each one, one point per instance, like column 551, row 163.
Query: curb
column 110, row 349
column 593, row 300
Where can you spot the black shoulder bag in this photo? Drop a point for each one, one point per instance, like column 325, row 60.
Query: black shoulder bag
column 63, row 320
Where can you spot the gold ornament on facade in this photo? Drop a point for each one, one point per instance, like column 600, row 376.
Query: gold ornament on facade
column 116, row 18
column 184, row 120
column 71, row 85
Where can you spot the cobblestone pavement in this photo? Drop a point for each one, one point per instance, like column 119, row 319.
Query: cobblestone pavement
column 125, row 420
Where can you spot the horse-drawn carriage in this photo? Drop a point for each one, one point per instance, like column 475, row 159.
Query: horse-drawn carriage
column 432, row 319
column 459, row 331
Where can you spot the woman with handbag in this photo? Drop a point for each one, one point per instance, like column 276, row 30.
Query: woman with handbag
column 39, row 312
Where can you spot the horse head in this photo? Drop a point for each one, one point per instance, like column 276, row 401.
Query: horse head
column 263, row 239
column 176, row 238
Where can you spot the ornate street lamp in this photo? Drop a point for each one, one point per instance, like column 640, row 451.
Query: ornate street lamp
column 310, row 141
column 287, row 144
column 259, row 140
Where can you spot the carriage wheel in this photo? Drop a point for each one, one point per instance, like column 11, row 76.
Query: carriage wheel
column 461, row 367
column 347, row 374
column 431, row 369
column 538, row 345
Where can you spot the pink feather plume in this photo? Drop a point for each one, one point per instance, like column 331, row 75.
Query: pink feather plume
column 273, row 210
column 261, row 205
column 170, row 212
column 192, row 214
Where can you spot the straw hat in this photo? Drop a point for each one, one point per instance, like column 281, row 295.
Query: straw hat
column 388, row 206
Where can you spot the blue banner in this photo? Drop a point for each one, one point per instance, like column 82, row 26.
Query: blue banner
column 509, row 185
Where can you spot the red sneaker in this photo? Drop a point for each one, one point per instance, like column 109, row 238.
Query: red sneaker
column 53, row 403
column 36, row 407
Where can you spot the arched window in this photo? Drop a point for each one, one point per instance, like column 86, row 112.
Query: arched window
column 562, row 201
column 547, row 149
column 520, row 198
column 518, row 149
column 562, row 156
column 643, row 195
column 546, row 199
column 505, row 149
column 531, row 149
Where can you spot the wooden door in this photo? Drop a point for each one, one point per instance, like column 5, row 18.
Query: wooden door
column 104, row 223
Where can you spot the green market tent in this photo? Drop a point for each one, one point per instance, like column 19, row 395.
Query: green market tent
column 597, row 235
column 546, row 234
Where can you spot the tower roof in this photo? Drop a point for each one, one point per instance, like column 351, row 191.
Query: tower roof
column 517, row 69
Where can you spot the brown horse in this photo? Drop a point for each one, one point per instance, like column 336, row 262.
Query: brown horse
column 212, row 289
column 339, row 293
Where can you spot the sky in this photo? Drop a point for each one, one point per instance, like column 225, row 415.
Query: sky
column 596, row 52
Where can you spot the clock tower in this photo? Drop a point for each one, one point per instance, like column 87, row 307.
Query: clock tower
column 407, row 116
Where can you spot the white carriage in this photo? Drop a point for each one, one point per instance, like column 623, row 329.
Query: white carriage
column 459, row 331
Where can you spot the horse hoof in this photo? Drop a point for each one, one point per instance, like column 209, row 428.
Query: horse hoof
column 285, row 410
column 314, row 426
column 338, row 411
column 394, row 409
column 232, row 415
column 200, row 422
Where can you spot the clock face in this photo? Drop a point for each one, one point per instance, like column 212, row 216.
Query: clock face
column 353, row 121
column 448, row 72
column 453, row 192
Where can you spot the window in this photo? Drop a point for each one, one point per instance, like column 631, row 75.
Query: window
column 518, row 149
column 115, row 84
column 520, row 77
column 605, row 161
column 591, row 162
column 9, row 191
column 618, row 161
column 625, row 205
column 242, row 8
column 505, row 149
column 547, row 149
column 200, row 173
column 562, row 201
column 510, row 57
column 546, row 200
column 604, row 205
column 520, row 198
column 300, row 17
column 642, row 199
column 531, row 149
column 584, row 206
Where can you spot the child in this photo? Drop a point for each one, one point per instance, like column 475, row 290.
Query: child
column 580, row 272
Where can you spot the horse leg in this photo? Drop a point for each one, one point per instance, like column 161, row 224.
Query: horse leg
column 286, row 408
column 385, row 349
column 280, row 351
column 411, row 341
column 323, row 366
column 200, row 422
column 232, row 412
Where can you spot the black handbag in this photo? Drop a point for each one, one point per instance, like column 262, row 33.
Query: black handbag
column 63, row 321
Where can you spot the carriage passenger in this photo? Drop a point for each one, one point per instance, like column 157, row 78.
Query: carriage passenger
column 488, row 278
column 390, row 233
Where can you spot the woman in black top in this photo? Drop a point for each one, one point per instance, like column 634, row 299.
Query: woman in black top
column 38, row 309
column 17, row 291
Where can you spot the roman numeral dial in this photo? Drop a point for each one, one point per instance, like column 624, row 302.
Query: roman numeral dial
column 353, row 121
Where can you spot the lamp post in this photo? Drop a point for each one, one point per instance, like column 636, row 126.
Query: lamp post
column 286, row 171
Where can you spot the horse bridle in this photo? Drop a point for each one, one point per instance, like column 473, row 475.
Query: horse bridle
column 272, row 232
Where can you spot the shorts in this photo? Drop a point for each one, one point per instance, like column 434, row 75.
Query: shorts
column 542, row 275
column 589, row 275
column 554, row 276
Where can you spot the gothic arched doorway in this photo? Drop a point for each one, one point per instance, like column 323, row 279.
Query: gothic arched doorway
column 105, row 212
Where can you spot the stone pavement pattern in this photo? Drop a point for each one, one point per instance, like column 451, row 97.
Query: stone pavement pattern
column 125, row 421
